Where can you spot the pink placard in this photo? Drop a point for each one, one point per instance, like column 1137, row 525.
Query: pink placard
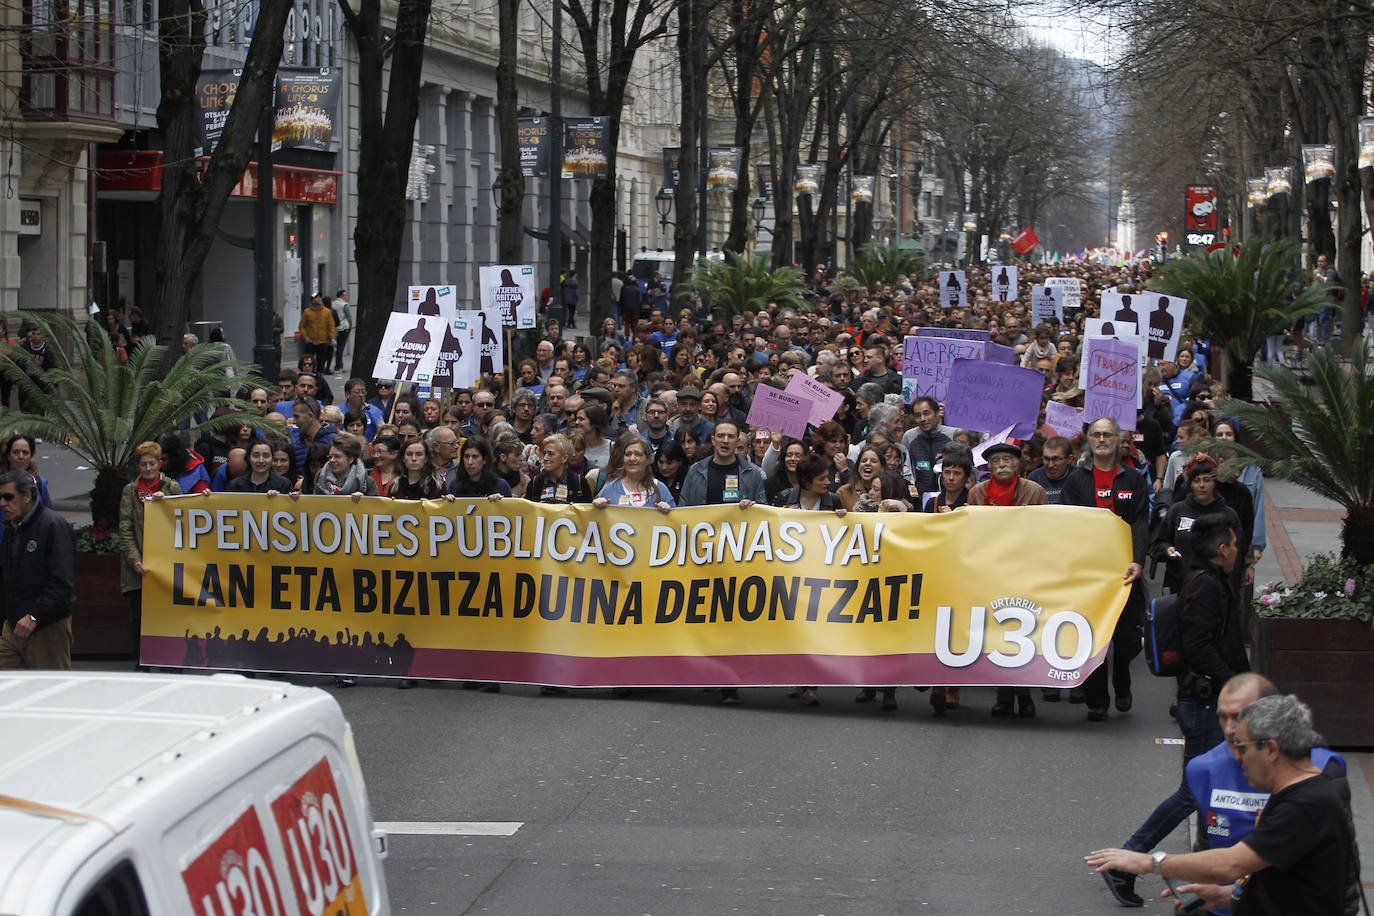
column 777, row 410
column 824, row 401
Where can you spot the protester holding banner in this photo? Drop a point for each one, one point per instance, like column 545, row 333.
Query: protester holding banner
column 150, row 483
column 924, row 443
column 633, row 483
column 417, row 479
column 867, row 467
column 476, row 475
column 556, row 483
column 670, row 468
column 386, row 456
column 260, row 477
column 1109, row 484
column 344, row 474
column 956, row 476
column 1056, row 468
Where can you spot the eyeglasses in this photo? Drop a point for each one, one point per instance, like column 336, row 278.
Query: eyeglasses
column 6, row 497
column 382, row 387
column 1238, row 745
column 1101, row 435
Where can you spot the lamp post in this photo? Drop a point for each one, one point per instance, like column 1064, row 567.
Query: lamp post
column 663, row 203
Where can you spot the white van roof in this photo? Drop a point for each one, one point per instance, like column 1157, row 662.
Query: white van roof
column 86, row 752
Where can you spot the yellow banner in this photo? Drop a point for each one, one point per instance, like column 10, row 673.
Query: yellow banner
column 577, row 596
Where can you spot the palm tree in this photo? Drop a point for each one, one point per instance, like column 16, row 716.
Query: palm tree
column 1238, row 299
column 881, row 264
column 1320, row 438
column 102, row 409
column 742, row 283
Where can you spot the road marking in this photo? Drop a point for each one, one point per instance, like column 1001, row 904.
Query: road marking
column 450, row 828
column 1168, row 741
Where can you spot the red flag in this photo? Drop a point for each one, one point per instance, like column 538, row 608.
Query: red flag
column 1025, row 241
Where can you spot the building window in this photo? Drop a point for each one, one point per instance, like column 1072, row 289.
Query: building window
column 68, row 59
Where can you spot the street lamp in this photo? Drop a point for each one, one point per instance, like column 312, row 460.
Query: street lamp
column 497, row 192
column 663, row 203
column 760, row 207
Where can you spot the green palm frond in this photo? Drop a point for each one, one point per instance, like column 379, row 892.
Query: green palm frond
column 741, row 283
column 881, row 264
column 102, row 409
column 1238, row 300
column 1321, row 438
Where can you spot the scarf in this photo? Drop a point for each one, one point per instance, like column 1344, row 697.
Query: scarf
column 999, row 495
column 355, row 481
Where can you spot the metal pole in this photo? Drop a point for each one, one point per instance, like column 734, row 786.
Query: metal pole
column 704, row 157
column 555, row 309
column 264, row 249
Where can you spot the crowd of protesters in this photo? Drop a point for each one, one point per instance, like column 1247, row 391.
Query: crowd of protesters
column 653, row 412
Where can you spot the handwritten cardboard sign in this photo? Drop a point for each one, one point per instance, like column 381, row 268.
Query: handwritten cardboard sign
column 1111, row 382
column 989, row 397
column 1067, row 421
column 927, row 361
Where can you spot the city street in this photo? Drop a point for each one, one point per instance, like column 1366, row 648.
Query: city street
column 666, row 802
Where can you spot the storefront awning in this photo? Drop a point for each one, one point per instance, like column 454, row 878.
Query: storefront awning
column 138, row 175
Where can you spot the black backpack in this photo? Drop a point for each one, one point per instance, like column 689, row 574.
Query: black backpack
column 1163, row 645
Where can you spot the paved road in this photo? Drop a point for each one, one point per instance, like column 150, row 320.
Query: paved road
column 666, row 802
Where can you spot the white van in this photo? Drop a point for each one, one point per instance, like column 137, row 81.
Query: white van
column 143, row 794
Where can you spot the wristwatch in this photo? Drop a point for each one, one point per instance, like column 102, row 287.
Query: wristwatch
column 1158, row 858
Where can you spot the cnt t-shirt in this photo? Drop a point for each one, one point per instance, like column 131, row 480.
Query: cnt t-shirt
column 1303, row 834
column 1102, row 486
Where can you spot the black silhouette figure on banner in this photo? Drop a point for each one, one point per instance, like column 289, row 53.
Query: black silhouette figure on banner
column 1003, row 285
column 953, row 283
column 1126, row 312
column 1161, row 329
column 1108, row 329
column 431, row 304
column 508, row 296
column 302, row 651
column 450, row 355
column 413, row 345
column 490, row 346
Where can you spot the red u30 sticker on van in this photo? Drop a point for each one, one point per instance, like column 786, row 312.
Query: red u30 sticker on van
column 234, row 875
column 320, row 860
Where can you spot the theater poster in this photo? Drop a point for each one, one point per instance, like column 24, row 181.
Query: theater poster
column 861, row 189
column 533, row 136
column 722, row 171
column 764, row 173
column 808, row 180
column 672, row 165
column 307, row 107
column 586, row 147
column 215, row 91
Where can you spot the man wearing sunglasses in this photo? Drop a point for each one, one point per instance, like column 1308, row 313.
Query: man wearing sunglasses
column 38, row 567
column 1300, row 857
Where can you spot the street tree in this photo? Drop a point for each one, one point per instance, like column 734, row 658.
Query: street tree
column 386, row 131
column 192, row 201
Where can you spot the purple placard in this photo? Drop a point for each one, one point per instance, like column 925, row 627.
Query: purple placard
column 955, row 333
column 824, row 401
column 1067, row 421
column 989, row 397
column 776, row 410
column 1111, row 382
column 927, row 361
column 1000, row 354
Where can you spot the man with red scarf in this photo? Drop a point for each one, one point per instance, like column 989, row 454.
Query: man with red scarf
column 1005, row 488
column 1112, row 485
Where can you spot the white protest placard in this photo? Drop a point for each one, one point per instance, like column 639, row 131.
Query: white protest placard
column 1067, row 421
column 1111, row 382
column 1122, row 308
column 953, row 289
column 927, row 363
column 491, row 349
column 1095, row 329
column 1164, row 326
column 410, row 348
column 1072, row 287
column 1047, row 305
column 1004, row 285
column 440, row 300
column 458, row 362
column 825, row 402
column 778, row 411
column 508, row 290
